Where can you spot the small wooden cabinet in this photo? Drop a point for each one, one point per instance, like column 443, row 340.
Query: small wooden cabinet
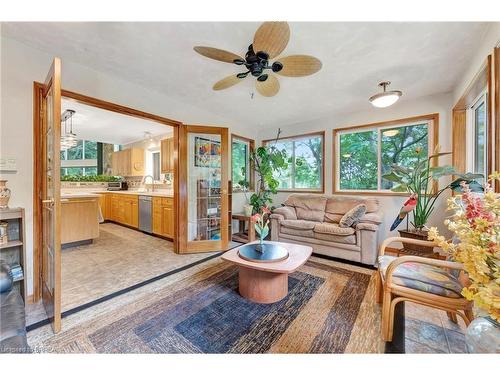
column 167, row 155
column 128, row 162
column 163, row 217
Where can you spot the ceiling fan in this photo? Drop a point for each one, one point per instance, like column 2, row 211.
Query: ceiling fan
column 269, row 41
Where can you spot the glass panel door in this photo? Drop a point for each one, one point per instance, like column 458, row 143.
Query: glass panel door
column 205, row 198
column 51, row 203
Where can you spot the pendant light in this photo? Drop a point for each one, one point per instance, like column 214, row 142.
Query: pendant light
column 68, row 138
column 385, row 98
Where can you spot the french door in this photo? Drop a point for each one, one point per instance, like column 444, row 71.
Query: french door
column 51, row 196
column 203, row 189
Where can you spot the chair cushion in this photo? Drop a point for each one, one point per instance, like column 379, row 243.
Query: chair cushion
column 423, row 277
column 352, row 216
column 335, row 229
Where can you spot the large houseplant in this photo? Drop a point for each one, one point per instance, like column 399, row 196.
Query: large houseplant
column 423, row 179
column 476, row 225
column 265, row 162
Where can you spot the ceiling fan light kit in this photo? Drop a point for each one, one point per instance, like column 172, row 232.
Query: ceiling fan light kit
column 385, row 98
column 270, row 39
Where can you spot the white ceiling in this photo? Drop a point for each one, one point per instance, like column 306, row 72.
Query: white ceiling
column 95, row 124
column 419, row 58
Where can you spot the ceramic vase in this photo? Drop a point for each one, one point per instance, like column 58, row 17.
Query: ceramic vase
column 483, row 335
column 248, row 209
column 4, row 194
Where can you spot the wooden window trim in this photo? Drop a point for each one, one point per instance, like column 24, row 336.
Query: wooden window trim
column 251, row 142
column 321, row 133
column 432, row 118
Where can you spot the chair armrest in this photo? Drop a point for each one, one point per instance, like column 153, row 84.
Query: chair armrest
column 390, row 240
column 416, row 259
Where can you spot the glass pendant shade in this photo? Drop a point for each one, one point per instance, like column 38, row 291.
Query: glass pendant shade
column 385, row 98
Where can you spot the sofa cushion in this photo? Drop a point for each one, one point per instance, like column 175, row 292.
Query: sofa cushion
column 335, row 229
column 340, row 205
column 287, row 212
column 352, row 216
column 335, row 238
column 307, row 206
column 297, row 232
column 423, row 277
column 298, row 224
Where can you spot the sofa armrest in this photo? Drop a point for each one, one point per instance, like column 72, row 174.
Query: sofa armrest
column 287, row 212
column 278, row 217
column 6, row 280
column 372, row 218
column 366, row 226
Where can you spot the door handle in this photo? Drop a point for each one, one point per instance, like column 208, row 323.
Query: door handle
column 50, row 201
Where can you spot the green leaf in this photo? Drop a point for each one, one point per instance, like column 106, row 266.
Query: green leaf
column 401, row 188
column 392, row 177
column 441, row 171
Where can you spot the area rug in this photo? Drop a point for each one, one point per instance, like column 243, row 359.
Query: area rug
column 330, row 308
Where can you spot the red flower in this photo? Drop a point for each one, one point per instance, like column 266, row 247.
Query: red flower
column 266, row 210
column 255, row 218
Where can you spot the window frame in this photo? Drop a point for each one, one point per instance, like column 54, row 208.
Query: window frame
column 321, row 134
column 432, row 121
column 79, row 163
column 251, row 176
column 481, row 99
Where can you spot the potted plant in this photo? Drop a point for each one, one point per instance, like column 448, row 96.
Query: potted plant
column 265, row 162
column 476, row 224
column 261, row 223
column 422, row 179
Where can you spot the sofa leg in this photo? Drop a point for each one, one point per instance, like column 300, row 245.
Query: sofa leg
column 379, row 288
column 386, row 318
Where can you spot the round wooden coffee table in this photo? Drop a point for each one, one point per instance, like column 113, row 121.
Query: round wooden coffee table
column 267, row 282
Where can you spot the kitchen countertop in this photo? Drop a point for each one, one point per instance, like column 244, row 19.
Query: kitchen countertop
column 94, row 193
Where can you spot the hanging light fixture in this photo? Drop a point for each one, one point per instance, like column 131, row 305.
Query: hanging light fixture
column 68, row 138
column 385, row 98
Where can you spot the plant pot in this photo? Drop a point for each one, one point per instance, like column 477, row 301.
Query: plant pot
column 418, row 235
column 248, row 209
column 483, row 335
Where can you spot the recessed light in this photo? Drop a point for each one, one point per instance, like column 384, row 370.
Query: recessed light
column 391, row 133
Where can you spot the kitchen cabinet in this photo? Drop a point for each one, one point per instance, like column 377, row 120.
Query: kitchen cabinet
column 128, row 162
column 104, row 205
column 124, row 209
column 79, row 219
column 163, row 217
column 167, row 155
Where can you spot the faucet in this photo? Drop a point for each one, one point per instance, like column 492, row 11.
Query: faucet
column 152, row 182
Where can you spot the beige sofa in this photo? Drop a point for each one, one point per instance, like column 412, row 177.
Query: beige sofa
column 313, row 220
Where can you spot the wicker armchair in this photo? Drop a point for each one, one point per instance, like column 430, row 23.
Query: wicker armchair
column 429, row 282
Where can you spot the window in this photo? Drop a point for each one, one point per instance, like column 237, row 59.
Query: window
column 367, row 152
column 240, row 161
column 478, row 112
column 80, row 160
column 305, row 162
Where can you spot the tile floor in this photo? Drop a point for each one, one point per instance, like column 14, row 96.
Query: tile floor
column 429, row 330
column 119, row 258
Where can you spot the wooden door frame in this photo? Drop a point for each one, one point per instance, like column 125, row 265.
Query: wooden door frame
column 38, row 172
column 183, row 194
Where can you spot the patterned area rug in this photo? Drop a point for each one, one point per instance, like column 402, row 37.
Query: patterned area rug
column 330, row 308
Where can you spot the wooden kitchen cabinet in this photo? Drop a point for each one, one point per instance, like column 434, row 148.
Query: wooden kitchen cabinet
column 104, row 205
column 167, row 155
column 163, row 217
column 124, row 209
column 128, row 162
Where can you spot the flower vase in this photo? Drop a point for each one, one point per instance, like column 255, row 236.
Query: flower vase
column 248, row 209
column 4, row 194
column 483, row 335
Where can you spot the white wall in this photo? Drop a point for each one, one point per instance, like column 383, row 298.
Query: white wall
column 390, row 205
column 20, row 66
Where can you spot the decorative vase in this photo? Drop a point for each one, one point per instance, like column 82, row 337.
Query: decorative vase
column 4, row 194
column 483, row 335
column 248, row 209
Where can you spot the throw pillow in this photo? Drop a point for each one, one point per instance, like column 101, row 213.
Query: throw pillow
column 352, row 216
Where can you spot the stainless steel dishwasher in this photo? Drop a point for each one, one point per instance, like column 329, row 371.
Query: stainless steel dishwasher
column 145, row 213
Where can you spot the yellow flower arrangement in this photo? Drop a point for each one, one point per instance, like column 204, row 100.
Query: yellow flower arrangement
column 476, row 224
